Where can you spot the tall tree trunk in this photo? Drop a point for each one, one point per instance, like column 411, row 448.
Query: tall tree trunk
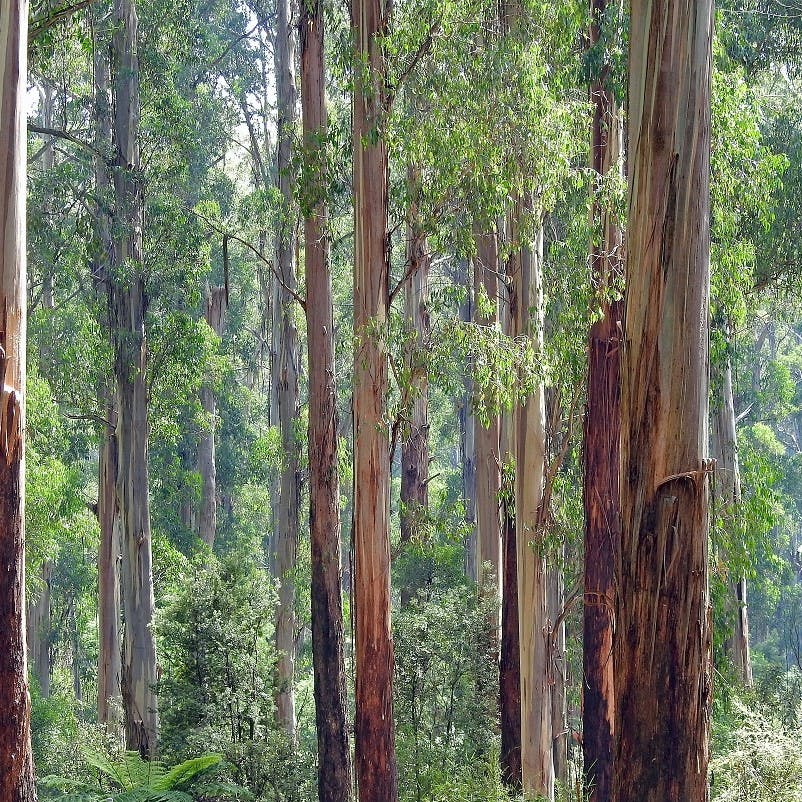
column 16, row 762
column 216, row 304
column 487, row 459
column 415, row 447
column 510, row 660
column 331, row 696
column 286, row 370
column 48, row 98
column 109, row 670
column 559, row 699
column 663, row 682
column 127, row 306
column 537, row 762
column 467, row 430
column 728, row 489
column 374, row 731
column 39, row 632
column 602, row 452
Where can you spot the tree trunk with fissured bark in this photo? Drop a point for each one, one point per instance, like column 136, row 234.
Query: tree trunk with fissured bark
column 16, row 762
column 331, row 697
column 374, row 730
column 602, row 451
column 663, row 682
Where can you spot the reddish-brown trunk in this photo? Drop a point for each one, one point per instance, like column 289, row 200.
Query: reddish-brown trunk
column 374, row 731
column 602, row 452
column 510, row 662
column 16, row 763
column 331, row 697
column 663, row 681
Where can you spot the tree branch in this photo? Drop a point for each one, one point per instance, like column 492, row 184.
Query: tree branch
column 59, row 15
column 59, row 134
column 301, row 301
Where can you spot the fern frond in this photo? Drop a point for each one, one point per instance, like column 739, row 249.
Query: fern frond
column 153, row 795
column 106, row 766
column 182, row 774
column 67, row 784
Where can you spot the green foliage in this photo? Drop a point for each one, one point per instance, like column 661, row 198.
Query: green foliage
column 56, row 732
column 129, row 778
column 445, row 702
column 216, row 656
column 757, row 755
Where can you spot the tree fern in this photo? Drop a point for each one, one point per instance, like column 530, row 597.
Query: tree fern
column 131, row 779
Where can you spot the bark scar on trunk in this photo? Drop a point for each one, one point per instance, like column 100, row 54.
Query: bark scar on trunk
column 10, row 414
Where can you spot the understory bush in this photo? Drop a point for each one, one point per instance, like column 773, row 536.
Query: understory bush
column 757, row 743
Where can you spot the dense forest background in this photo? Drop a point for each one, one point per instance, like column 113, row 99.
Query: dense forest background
column 172, row 183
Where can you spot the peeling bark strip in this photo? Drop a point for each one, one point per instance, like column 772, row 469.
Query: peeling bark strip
column 127, row 305
column 663, row 631
column 16, row 764
column 331, row 697
column 374, row 732
column 602, row 453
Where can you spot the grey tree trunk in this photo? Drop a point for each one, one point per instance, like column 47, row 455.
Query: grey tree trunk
column 467, row 429
column 215, row 306
column 39, row 630
column 537, row 763
column 285, row 373
column 127, row 307
column 415, row 444
column 109, row 671
column 724, row 441
column 486, row 440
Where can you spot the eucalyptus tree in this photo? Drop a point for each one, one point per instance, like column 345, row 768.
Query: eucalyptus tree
column 662, row 650
column 16, row 764
column 374, row 730
column 602, row 417
column 331, row 696
column 285, row 369
column 127, row 302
